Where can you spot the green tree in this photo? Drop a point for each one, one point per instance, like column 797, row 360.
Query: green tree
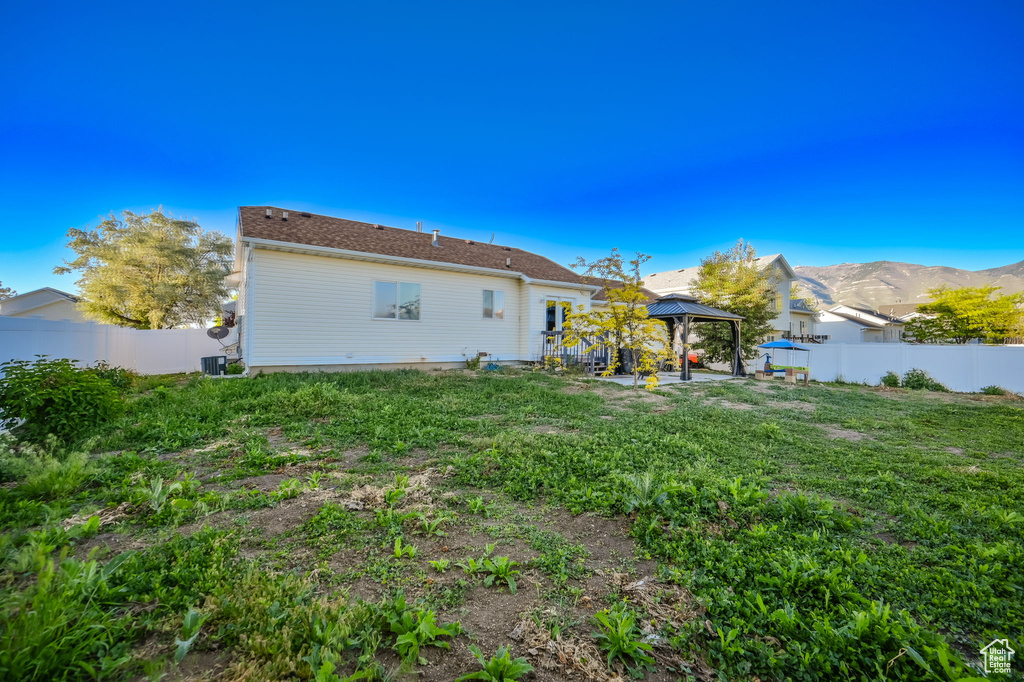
column 624, row 324
column 966, row 314
column 6, row 292
column 796, row 293
column 150, row 271
column 734, row 281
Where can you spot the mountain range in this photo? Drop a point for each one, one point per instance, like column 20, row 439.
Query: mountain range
column 884, row 283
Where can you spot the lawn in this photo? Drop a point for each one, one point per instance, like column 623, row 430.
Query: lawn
column 377, row 525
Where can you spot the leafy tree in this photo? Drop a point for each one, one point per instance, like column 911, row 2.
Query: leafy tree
column 796, row 293
column 734, row 281
column 624, row 324
column 6, row 292
column 965, row 314
column 150, row 271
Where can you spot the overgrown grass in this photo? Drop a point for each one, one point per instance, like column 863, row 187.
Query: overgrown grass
column 814, row 555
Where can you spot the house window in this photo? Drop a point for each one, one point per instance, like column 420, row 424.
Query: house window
column 396, row 301
column 555, row 313
column 494, row 304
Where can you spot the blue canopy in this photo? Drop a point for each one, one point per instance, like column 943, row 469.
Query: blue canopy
column 785, row 344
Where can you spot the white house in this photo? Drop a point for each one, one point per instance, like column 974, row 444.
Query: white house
column 803, row 323
column 45, row 304
column 681, row 282
column 847, row 321
column 323, row 293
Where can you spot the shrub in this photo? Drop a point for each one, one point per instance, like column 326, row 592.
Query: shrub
column 120, row 378
column 891, row 379
column 43, row 397
column 994, row 390
column 918, row 380
column 236, row 368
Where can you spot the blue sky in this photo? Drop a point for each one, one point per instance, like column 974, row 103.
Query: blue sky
column 833, row 132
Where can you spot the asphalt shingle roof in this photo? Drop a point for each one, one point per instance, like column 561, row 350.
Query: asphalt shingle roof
column 338, row 233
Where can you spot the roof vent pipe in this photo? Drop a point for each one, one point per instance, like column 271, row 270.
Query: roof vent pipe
column 284, row 215
column 434, row 242
column 508, row 262
column 270, row 212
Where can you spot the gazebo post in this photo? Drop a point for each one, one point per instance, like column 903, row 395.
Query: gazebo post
column 737, row 361
column 685, row 375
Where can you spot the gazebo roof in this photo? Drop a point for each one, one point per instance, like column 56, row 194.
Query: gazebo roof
column 678, row 305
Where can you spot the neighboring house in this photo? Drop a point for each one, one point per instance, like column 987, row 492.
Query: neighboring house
column 803, row 323
column 323, row 293
column 846, row 324
column 891, row 327
column 44, row 304
column 900, row 311
column 681, row 282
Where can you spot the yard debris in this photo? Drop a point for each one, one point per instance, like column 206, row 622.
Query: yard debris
column 666, row 604
column 417, row 492
column 564, row 653
column 107, row 516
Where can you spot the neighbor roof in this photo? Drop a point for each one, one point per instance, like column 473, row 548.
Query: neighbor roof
column 682, row 280
column 876, row 313
column 859, row 320
column 607, row 284
column 898, row 310
column 338, row 233
column 24, row 302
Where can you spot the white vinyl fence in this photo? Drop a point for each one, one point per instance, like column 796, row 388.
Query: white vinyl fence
column 147, row 351
column 961, row 368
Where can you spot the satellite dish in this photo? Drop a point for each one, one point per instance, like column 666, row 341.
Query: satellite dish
column 218, row 332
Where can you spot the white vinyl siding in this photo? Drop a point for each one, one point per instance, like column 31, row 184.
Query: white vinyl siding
column 317, row 310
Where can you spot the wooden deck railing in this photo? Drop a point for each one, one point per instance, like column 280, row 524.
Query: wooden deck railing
column 805, row 338
column 589, row 353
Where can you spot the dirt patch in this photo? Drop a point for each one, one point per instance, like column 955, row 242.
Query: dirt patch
column 953, row 451
column 199, row 665
column 890, row 539
column 109, row 544
column 640, row 395
column 836, row 433
column 607, row 539
column 264, row 483
column 764, row 387
column 794, row 405
column 348, row 458
column 290, row 513
column 727, row 404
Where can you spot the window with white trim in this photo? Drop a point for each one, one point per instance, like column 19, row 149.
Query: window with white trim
column 396, row 301
column 494, row 304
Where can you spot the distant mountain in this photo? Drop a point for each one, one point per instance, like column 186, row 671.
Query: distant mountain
column 885, row 282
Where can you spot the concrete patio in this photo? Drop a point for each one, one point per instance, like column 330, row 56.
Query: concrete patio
column 666, row 378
